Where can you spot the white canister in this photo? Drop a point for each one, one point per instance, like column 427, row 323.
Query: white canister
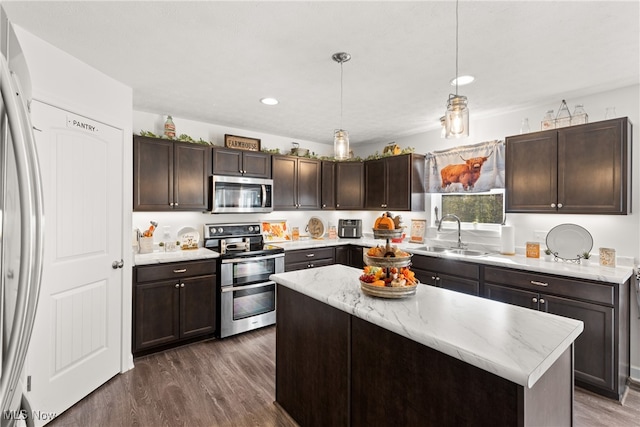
column 507, row 240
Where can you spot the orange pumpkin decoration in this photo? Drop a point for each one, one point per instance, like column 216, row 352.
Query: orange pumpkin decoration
column 384, row 223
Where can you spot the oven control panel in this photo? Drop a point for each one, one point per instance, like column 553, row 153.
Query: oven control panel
column 230, row 230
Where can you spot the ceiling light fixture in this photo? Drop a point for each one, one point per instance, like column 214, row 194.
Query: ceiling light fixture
column 341, row 136
column 457, row 114
column 462, row 80
column 269, row 101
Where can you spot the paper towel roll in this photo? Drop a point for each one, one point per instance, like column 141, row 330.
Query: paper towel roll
column 508, row 240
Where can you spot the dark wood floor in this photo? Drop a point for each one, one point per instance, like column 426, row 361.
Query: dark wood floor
column 231, row 382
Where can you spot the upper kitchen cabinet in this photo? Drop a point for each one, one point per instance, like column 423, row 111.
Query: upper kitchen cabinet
column 328, row 187
column 396, row 182
column 349, row 185
column 296, row 183
column 227, row 161
column 580, row 169
column 169, row 175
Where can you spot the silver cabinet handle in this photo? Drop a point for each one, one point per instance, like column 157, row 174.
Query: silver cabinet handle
column 534, row 299
column 310, row 255
column 182, row 285
column 182, row 270
column 171, row 204
column 177, row 285
column 541, row 300
column 117, row 264
column 310, row 265
column 535, row 282
column 553, row 205
column 559, row 205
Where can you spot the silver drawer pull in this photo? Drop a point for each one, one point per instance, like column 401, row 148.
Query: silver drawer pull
column 535, row 282
column 310, row 255
column 182, row 270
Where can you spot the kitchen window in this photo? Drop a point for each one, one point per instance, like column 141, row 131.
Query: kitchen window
column 479, row 208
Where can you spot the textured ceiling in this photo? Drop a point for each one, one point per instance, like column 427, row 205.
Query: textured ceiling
column 212, row 61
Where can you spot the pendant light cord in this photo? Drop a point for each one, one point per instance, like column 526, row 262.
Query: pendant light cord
column 341, row 62
column 456, row 47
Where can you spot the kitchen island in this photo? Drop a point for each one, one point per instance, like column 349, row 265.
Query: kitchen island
column 435, row 358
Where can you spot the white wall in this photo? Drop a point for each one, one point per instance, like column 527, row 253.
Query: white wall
column 619, row 232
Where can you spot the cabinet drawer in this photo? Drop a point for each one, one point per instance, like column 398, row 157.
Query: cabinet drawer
column 448, row 266
column 146, row 273
column 308, row 255
column 602, row 293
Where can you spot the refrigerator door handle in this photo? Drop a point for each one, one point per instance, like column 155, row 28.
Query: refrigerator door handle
column 31, row 234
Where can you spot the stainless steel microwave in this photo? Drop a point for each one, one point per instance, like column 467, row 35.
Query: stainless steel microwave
column 238, row 194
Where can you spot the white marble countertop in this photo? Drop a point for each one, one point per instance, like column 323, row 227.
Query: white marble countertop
column 159, row 257
column 515, row 343
column 593, row 271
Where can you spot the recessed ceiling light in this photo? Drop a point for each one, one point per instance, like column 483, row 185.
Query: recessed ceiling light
column 269, row 101
column 462, row 80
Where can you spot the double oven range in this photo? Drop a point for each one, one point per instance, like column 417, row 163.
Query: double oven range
column 247, row 298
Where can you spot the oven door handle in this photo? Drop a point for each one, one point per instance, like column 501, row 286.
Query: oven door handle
column 251, row 259
column 224, row 289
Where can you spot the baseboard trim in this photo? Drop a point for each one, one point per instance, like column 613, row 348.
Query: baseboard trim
column 634, row 384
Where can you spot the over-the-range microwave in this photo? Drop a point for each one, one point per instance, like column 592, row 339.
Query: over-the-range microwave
column 238, row 194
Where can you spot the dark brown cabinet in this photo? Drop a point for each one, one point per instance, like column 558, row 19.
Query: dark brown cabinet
column 169, row 175
column 173, row 303
column 296, row 183
column 396, row 182
column 227, row 161
column 349, row 185
column 328, row 195
column 447, row 273
column 573, row 170
column 308, row 258
column 602, row 350
column 350, row 255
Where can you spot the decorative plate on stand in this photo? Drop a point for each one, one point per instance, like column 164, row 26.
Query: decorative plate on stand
column 569, row 241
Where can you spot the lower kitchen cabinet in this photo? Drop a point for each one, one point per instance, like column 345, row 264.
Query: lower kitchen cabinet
column 449, row 274
column 308, row 258
column 350, row 255
column 602, row 350
column 173, row 303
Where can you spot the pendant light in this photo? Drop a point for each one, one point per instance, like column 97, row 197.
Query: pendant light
column 457, row 114
column 341, row 136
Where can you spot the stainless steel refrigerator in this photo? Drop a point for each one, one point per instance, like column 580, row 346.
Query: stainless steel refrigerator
column 21, row 226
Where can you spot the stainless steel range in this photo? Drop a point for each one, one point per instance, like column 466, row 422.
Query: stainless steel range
column 247, row 298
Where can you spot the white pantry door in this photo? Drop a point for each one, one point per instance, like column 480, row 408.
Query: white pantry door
column 75, row 346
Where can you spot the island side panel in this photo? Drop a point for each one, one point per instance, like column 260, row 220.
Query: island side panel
column 396, row 381
column 312, row 360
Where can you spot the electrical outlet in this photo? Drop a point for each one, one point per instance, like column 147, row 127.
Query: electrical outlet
column 540, row 236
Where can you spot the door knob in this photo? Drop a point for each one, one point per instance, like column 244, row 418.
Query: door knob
column 117, row 264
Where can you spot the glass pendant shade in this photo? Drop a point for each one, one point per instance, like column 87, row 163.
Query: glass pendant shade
column 457, row 117
column 341, row 144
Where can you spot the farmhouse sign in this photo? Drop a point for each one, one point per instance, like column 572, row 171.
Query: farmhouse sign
column 241, row 143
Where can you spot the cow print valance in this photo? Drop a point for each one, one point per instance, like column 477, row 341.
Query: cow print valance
column 470, row 168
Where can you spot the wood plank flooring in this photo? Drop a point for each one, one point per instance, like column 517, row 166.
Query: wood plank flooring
column 231, row 382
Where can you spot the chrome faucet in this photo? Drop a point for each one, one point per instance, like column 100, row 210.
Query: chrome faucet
column 452, row 216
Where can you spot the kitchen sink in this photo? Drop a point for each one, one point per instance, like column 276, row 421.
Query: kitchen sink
column 432, row 248
column 467, row 252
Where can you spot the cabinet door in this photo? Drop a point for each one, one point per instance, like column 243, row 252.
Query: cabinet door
column 355, row 256
column 285, row 187
column 511, row 296
column 595, row 347
column 398, row 183
column 256, row 164
column 349, row 185
column 328, row 199
column 458, row 284
column 592, row 171
column 191, row 175
column 531, row 172
column 197, row 306
column 309, row 180
column 425, row 277
column 375, row 184
column 342, row 255
column 152, row 174
column 156, row 316
column 227, row 162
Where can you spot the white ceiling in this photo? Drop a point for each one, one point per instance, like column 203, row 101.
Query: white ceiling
column 212, row 61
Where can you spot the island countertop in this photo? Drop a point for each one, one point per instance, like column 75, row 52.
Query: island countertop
column 515, row 343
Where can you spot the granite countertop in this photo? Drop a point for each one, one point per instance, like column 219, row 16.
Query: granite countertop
column 593, row 271
column 159, row 257
column 513, row 342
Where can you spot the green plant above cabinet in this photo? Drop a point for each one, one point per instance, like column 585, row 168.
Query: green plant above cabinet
column 582, row 169
column 227, row 161
column 169, row 175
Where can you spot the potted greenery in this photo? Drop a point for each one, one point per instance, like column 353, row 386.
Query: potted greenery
column 586, row 258
column 548, row 255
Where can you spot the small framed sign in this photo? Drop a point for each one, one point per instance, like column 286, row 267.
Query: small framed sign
column 418, row 228
column 242, row 143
